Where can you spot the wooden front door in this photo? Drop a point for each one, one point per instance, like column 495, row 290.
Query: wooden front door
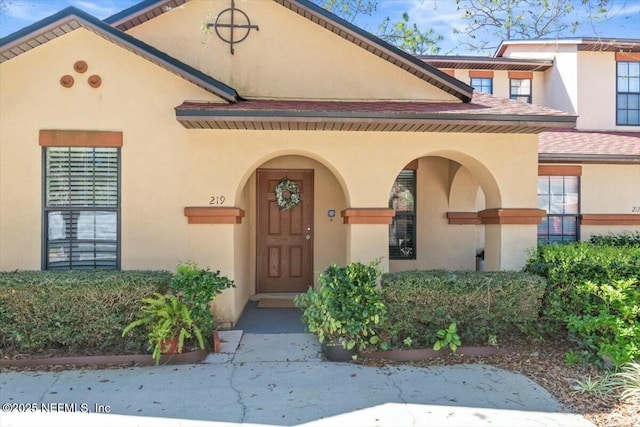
column 285, row 237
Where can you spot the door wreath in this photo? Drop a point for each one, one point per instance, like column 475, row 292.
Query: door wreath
column 286, row 203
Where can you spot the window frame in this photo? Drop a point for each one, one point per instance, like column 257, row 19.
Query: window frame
column 618, row 93
column 71, row 208
column 414, row 248
column 517, row 96
column 548, row 215
column 489, row 79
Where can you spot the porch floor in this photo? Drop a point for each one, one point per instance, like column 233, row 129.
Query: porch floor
column 256, row 320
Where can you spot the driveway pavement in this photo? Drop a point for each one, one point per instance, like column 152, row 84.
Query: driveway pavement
column 278, row 380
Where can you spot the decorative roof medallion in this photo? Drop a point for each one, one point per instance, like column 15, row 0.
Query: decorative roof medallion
column 232, row 26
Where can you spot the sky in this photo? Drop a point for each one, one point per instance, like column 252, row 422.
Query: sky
column 441, row 15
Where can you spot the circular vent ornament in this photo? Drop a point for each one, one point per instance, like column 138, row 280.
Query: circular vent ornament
column 287, row 195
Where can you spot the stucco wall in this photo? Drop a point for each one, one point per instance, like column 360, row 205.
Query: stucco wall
column 31, row 98
column 561, row 81
column 609, row 189
column 289, row 57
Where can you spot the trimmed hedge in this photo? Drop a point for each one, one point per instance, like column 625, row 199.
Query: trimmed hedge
column 568, row 265
column 630, row 238
column 80, row 312
column 420, row 303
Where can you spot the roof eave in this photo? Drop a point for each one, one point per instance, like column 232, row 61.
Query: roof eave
column 588, row 158
column 305, row 120
column 75, row 18
column 123, row 18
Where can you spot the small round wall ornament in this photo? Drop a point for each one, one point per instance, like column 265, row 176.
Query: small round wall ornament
column 287, row 194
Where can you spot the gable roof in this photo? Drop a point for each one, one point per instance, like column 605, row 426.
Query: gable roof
column 71, row 18
column 487, row 113
column 149, row 9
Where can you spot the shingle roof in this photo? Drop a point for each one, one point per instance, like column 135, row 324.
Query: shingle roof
column 486, row 113
column 71, row 18
column 601, row 146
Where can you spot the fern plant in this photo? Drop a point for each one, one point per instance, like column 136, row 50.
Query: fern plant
column 166, row 318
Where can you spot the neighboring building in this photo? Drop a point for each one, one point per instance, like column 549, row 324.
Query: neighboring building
column 140, row 141
column 589, row 177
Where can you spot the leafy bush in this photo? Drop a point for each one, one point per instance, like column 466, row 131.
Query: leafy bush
column 197, row 287
column 629, row 238
column 82, row 312
column 607, row 325
column 420, row 303
column 595, row 292
column 346, row 306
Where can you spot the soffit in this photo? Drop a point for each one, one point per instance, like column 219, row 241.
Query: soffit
column 485, row 114
column 484, row 63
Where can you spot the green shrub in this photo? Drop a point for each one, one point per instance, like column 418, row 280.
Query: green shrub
column 629, row 238
column 420, row 303
column 80, row 312
column 197, row 287
column 595, row 292
column 608, row 323
column 346, row 306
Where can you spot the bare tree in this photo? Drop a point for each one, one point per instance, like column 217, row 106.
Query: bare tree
column 490, row 21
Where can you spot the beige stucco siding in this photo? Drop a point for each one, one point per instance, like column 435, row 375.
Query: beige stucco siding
column 609, row 189
column 289, row 57
column 597, row 91
column 31, row 99
column 562, row 83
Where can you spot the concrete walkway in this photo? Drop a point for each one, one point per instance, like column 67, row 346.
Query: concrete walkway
column 279, row 380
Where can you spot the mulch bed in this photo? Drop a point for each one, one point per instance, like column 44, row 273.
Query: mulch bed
column 544, row 363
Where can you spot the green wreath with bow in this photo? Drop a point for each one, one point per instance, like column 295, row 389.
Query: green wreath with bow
column 287, row 186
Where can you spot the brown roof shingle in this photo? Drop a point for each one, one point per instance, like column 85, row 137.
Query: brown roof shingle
column 486, row 113
column 481, row 105
column 574, row 145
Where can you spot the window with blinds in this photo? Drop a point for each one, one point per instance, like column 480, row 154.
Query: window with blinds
column 81, row 208
column 560, row 197
column 402, row 231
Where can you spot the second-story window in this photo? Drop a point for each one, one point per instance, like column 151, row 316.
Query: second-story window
column 628, row 96
column 482, row 84
column 520, row 90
